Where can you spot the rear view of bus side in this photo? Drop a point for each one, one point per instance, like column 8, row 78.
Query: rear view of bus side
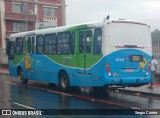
column 100, row 54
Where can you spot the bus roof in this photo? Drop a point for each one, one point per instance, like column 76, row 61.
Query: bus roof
column 56, row 29
column 75, row 26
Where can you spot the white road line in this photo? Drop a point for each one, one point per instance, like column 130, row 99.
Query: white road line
column 23, row 105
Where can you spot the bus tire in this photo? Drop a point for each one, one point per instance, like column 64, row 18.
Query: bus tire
column 21, row 76
column 64, row 81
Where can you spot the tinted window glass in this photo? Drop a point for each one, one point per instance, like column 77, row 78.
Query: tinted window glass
column 12, row 48
column 31, row 44
column 63, row 43
column 39, row 43
column 50, row 43
column 73, row 43
column 20, row 45
column 81, row 41
column 88, row 41
column 97, row 41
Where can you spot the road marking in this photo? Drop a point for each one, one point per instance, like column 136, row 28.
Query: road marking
column 24, row 106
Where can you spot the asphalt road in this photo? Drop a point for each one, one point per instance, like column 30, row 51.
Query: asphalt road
column 38, row 95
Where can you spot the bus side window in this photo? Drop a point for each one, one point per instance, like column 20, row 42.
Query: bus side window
column 39, row 44
column 73, row 42
column 88, row 41
column 24, row 45
column 50, row 44
column 63, row 43
column 29, row 44
column 33, row 44
column 12, row 50
column 20, row 45
column 81, row 41
column 97, row 41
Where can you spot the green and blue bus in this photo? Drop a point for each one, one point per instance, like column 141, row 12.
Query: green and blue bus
column 98, row 54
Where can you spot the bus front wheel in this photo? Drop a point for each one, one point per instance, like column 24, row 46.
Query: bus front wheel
column 64, row 81
column 21, row 76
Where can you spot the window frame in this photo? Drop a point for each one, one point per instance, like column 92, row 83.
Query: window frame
column 12, row 49
column 96, row 42
column 69, row 43
column 81, row 42
column 37, row 45
column 31, row 45
column 91, row 40
column 53, row 44
column 19, row 26
column 72, row 42
column 20, row 48
column 17, row 7
column 47, row 11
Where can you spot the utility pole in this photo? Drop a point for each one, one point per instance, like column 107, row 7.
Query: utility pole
column 63, row 13
column 36, row 13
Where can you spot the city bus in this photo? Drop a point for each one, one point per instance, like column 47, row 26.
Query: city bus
column 97, row 54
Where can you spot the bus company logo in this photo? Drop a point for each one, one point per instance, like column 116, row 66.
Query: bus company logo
column 28, row 62
column 6, row 112
column 65, row 61
column 21, row 112
column 143, row 63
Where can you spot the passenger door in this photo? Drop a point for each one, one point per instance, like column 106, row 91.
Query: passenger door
column 85, row 51
column 30, row 55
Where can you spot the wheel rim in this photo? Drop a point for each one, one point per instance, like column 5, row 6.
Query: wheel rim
column 64, row 82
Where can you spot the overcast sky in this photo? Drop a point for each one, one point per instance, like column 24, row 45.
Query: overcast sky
column 81, row 11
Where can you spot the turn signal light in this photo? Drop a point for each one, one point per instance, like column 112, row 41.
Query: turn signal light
column 149, row 65
column 108, row 69
column 107, row 64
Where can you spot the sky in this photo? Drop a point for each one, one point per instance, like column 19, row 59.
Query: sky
column 82, row 11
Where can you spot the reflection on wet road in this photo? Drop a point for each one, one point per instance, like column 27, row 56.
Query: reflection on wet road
column 38, row 95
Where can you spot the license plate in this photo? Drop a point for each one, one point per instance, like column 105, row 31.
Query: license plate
column 129, row 70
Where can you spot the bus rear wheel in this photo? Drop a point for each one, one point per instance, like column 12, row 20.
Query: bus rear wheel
column 21, row 76
column 64, row 81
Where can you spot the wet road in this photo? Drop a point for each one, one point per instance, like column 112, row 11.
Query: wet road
column 38, row 95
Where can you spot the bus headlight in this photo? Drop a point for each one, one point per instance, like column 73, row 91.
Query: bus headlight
column 109, row 74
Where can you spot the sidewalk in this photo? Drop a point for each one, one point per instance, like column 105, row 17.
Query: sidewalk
column 4, row 71
column 143, row 90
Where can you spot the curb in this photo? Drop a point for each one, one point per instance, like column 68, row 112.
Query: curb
column 2, row 71
column 141, row 92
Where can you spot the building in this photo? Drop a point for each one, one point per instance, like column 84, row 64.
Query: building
column 156, row 43
column 26, row 15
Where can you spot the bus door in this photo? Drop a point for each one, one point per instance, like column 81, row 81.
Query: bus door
column 30, row 55
column 85, row 47
column 10, row 51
